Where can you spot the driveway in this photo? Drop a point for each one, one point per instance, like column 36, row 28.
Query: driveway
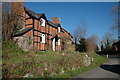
column 111, row 69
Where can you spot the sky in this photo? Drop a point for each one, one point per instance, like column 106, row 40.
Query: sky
column 97, row 15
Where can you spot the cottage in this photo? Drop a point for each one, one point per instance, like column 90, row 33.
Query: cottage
column 40, row 33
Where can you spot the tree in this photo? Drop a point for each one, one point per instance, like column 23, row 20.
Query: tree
column 11, row 18
column 102, row 47
column 82, row 45
column 79, row 34
column 6, row 33
column 91, row 45
column 108, row 40
column 116, row 27
column 80, row 31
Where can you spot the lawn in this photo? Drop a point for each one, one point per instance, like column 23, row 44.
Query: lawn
column 18, row 63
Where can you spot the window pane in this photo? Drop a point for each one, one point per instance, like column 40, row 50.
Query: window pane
column 42, row 22
column 40, row 39
column 43, row 38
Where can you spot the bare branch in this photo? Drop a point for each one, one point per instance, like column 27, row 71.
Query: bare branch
column 80, row 30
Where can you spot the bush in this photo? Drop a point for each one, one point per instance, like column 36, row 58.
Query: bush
column 10, row 50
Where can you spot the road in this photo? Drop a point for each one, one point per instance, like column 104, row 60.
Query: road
column 111, row 69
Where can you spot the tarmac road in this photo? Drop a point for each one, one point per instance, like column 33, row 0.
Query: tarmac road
column 111, row 69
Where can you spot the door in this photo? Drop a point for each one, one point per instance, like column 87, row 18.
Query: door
column 53, row 44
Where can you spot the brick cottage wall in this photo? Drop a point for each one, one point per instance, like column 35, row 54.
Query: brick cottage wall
column 33, row 36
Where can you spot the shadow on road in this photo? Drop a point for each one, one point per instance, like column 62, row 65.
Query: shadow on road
column 112, row 68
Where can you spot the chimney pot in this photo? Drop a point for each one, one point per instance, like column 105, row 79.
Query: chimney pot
column 55, row 20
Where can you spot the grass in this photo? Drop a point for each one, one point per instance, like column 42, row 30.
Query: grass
column 97, row 61
column 72, row 73
column 17, row 63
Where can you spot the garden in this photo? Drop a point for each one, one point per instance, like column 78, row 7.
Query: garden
column 46, row 64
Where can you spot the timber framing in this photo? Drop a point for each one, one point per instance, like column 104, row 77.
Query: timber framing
column 45, row 34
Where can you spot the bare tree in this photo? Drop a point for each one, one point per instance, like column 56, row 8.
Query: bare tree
column 91, row 45
column 80, row 31
column 10, row 19
column 116, row 27
column 108, row 39
column 6, row 27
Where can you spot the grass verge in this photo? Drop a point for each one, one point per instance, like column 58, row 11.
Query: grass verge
column 17, row 63
column 98, row 60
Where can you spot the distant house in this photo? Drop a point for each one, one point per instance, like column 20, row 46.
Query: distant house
column 116, row 46
column 40, row 33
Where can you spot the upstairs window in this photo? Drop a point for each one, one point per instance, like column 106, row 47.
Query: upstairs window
column 42, row 22
column 58, row 29
column 42, row 38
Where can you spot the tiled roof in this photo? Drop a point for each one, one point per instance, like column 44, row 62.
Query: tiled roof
column 54, row 25
column 38, row 16
column 33, row 14
column 22, row 31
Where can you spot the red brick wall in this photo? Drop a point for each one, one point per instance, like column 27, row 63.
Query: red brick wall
column 27, row 24
column 51, row 32
column 48, row 29
column 17, row 8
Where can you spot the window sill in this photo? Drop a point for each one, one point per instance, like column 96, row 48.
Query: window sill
column 42, row 26
column 42, row 42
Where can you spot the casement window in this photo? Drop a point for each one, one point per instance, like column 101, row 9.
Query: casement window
column 42, row 22
column 42, row 38
column 58, row 41
column 58, row 29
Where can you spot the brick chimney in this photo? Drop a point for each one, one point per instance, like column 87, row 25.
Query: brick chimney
column 55, row 20
column 17, row 8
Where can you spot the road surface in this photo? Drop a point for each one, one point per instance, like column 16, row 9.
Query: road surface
column 111, row 69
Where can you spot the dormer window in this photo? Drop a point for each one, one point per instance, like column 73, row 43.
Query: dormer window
column 42, row 22
column 58, row 29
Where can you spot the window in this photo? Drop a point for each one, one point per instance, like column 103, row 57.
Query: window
column 58, row 29
column 42, row 22
column 58, row 41
column 42, row 38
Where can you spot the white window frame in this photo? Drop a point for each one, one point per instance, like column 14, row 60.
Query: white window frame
column 43, row 37
column 43, row 22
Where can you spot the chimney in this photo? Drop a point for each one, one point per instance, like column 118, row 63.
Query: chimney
column 17, row 8
column 55, row 20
